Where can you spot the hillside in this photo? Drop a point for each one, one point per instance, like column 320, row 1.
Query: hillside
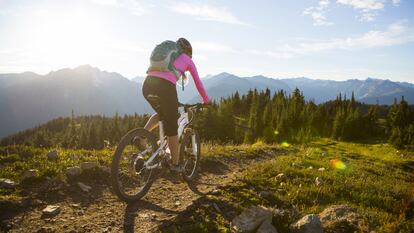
column 29, row 99
column 369, row 91
column 372, row 183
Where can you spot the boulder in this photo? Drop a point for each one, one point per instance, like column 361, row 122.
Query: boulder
column 30, row 174
column 340, row 218
column 52, row 155
column 73, row 171
column 84, row 187
column 266, row 227
column 308, row 224
column 88, row 165
column 7, row 183
column 250, row 219
column 51, row 210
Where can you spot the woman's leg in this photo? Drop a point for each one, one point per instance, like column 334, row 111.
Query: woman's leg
column 173, row 145
column 152, row 122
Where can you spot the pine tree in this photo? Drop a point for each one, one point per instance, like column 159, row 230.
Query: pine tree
column 250, row 136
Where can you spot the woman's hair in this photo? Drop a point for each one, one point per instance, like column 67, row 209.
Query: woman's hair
column 185, row 46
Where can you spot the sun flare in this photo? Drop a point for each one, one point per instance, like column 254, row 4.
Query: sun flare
column 71, row 38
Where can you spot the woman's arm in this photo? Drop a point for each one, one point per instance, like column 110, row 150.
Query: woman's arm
column 199, row 85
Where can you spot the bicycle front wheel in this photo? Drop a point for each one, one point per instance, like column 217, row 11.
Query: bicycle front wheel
column 131, row 180
column 190, row 153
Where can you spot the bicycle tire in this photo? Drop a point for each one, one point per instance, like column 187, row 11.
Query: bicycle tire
column 186, row 141
column 117, row 158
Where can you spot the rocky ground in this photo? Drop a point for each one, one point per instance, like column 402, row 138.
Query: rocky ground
column 99, row 210
column 325, row 186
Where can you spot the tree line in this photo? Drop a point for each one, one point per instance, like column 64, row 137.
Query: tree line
column 258, row 115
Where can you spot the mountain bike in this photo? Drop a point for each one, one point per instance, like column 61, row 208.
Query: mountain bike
column 139, row 157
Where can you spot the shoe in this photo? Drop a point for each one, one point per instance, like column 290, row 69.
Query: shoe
column 176, row 168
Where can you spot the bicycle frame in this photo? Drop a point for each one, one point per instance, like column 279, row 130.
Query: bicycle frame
column 183, row 122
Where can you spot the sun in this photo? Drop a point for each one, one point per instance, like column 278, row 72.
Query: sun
column 66, row 38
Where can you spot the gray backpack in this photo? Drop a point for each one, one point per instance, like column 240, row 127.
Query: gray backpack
column 163, row 57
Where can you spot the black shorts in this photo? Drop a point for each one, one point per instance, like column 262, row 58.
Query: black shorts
column 162, row 96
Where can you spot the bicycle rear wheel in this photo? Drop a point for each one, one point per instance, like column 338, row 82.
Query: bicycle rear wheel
column 131, row 180
column 190, row 153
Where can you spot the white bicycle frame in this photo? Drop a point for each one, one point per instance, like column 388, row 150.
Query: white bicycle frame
column 183, row 121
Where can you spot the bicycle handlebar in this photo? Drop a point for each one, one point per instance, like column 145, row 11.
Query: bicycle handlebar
column 197, row 105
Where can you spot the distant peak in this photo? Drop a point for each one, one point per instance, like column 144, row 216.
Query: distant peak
column 86, row 67
column 225, row 74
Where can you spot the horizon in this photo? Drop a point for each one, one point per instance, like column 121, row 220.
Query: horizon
column 330, row 40
column 212, row 75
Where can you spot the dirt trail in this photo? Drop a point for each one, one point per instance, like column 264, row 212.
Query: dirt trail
column 102, row 211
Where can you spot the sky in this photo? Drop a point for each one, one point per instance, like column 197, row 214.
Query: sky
column 319, row 39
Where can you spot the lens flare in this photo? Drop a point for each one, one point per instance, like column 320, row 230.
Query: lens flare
column 338, row 164
column 276, row 132
column 285, row 144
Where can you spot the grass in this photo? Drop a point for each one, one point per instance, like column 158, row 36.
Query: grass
column 15, row 160
column 374, row 178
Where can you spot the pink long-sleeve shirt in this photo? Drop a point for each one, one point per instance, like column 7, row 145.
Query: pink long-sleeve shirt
column 183, row 63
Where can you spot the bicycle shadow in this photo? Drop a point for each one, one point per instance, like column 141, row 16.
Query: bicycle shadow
column 132, row 210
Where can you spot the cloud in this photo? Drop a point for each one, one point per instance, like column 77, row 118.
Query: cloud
column 396, row 2
column 317, row 13
column 134, row 6
column 207, row 12
column 396, row 34
column 211, row 47
column 272, row 54
column 367, row 8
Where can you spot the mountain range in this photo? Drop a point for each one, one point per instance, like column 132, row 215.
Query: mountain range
column 28, row 99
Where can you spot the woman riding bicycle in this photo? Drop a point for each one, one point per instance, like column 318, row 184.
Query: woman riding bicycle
column 160, row 91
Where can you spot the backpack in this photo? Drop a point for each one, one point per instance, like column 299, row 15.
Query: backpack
column 163, row 57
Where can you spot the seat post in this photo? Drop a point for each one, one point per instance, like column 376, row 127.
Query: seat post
column 161, row 130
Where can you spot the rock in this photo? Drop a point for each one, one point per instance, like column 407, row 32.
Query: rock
column 73, row 157
column 318, row 181
column 51, row 210
column 321, row 169
column 308, row 224
column 84, row 187
column 7, row 183
column 215, row 192
column 77, row 206
column 73, row 171
column 45, row 230
column 250, row 219
column 52, row 155
column 88, row 165
column 280, row 176
column 285, row 214
column 310, row 168
column 106, row 169
column 265, row 194
column 177, row 203
column 340, row 218
column 266, row 227
column 30, row 174
column 324, row 154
